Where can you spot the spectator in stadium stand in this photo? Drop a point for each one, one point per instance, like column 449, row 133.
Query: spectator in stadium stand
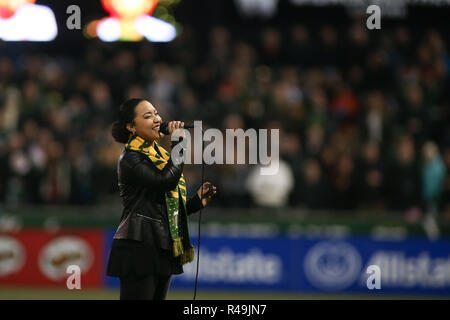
column 416, row 114
column 271, row 191
column 404, row 184
column 376, row 119
column 315, row 140
column 312, row 191
column 152, row 240
column 433, row 175
column 233, row 177
column 446, row 191
column 343, row 183
column 299, row 46
column 371, row 178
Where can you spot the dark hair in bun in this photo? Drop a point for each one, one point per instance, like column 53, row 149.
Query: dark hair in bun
column 119, row 129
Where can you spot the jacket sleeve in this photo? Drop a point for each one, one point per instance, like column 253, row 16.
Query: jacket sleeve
column 137, row 171
column 193, row 204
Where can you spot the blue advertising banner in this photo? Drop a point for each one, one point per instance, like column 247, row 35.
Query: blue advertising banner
column 110, row 281
column 301, row 264
column 241, row 263
column 412, row 266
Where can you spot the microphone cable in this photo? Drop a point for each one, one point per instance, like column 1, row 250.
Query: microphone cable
column 199, row 220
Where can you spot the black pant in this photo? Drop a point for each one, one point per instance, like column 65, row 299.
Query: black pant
column 144, row 288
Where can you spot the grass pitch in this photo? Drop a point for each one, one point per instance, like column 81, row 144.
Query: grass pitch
column 34, row 293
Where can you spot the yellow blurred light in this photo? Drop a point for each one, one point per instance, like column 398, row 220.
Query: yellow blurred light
column 129, row 32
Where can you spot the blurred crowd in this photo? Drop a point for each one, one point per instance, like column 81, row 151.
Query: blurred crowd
column 363, row 115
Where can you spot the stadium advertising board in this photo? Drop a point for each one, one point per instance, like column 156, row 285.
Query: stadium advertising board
column 412, row 266
column 40, row 258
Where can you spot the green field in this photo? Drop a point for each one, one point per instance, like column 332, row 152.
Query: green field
column 28, row 293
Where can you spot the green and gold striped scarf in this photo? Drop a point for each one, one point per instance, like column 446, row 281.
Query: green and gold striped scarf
column 181, row 247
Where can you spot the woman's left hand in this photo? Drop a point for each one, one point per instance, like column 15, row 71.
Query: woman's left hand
column 207, row 186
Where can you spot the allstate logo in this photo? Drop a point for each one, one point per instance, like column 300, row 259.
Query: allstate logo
column 332, row 266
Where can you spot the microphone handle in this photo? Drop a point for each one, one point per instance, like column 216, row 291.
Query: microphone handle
column 164, row 127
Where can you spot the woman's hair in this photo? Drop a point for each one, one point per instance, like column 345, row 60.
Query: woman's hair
column 119, row 129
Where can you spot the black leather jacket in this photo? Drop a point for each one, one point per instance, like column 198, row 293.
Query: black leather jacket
column 142, row 187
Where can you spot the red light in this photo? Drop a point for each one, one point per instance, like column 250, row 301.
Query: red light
column 9, row 7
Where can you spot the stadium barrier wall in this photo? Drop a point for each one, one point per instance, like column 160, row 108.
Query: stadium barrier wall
column 298, row 257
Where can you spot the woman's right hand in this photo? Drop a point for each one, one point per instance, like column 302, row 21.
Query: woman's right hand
column 172, row 126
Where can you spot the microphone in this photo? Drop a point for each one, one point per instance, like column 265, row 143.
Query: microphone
column 164, row 127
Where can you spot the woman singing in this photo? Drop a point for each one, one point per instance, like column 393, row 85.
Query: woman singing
column 152, row 240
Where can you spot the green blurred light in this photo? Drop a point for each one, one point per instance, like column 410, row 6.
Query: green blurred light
column 168, row 18
column 160, row 11
column 168, row 2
